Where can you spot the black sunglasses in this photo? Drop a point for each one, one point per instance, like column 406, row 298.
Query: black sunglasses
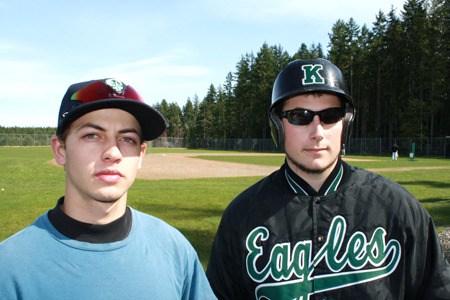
column 301, row 116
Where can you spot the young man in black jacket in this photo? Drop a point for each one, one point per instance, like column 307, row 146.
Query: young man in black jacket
column 319, row 228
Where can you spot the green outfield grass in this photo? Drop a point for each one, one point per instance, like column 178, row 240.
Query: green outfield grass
column 30, row 185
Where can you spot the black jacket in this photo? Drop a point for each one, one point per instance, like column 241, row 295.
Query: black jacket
column 371, row 239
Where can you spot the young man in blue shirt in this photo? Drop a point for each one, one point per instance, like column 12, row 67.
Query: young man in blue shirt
column 92, row 245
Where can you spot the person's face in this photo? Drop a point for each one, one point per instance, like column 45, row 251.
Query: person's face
column 101, row 154
column 313, row 148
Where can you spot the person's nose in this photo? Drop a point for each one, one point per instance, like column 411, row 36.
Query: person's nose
column 112, row 152
column 316, row 129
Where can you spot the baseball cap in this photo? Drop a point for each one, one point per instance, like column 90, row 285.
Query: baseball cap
column 88, row 96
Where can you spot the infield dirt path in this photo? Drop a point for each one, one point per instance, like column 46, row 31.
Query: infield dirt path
column 185, row 166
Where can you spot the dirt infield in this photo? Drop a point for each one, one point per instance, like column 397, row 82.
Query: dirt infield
column 185, row 166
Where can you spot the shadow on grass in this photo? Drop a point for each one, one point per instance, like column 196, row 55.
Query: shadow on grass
column 178, row 211
column 200, row 235
column 439, row 208
column 436, row 201
column 202, row 241
column 433, row 184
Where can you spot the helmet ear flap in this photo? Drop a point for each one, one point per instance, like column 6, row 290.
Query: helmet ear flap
column 348, row 120
column 276, row 128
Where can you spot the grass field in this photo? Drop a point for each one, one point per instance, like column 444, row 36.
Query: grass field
column 29, row 186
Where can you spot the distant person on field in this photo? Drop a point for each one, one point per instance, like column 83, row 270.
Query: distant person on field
column 319, row 228
column 394, row 150
column 91, row 245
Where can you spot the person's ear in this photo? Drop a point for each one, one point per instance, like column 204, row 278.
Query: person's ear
column 59, row 150
column 142, row 154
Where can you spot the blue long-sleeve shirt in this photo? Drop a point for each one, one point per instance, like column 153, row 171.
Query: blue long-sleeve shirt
column 155, row 261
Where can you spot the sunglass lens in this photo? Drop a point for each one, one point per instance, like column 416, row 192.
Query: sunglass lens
column 305, row 116
column 300, row 117
column 331, row 115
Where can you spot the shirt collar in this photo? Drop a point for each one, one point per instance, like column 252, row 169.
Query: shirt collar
column 302, row 188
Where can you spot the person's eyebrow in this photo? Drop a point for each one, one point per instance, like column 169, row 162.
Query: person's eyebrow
column 100, row 128
column 130, row 130
column 91, row 125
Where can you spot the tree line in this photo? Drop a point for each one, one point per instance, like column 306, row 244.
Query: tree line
column 397, row 72
column 27, row 130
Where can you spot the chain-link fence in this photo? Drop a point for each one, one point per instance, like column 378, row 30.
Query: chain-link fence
column 439, row 146
column 436, row 147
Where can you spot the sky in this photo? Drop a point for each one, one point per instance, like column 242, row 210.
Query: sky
column 172, row 50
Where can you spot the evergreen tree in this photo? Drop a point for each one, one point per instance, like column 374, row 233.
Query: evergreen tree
column 232, row 113
column 362, row 80
column 205, row 117
column 303, row 53
column 343, row 46
column 163, row 108
column 439, row 67
column 376, row 62
column 175, row 118
column 196, row 130
column 394, row 77
column 264, row 72
column 309, row 53
column 188, row 117
column 220, row 131
column 243, row 92
column 416, row 29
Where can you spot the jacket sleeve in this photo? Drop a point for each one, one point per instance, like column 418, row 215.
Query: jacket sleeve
column 436, row 277
column 427, row 274
column 224, row 269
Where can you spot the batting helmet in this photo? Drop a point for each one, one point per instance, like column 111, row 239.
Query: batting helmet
column 305, row 76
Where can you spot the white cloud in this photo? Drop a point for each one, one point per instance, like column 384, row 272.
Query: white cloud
column 32, row 90
column 30, row 93
column 158, row 66
column 27, row 80
column 171, row 76
column 10, row 49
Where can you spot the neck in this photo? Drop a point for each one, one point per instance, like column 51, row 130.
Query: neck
column 94, row 211
column 315, row 181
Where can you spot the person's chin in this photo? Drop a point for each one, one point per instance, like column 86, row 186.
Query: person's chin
column 109, row 196
column 107, row 200
column 313, row 166
column 317, row 165
column 314, row 169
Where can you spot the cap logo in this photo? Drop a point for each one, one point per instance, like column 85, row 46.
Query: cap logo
column 116, row 85
column 311, row 74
